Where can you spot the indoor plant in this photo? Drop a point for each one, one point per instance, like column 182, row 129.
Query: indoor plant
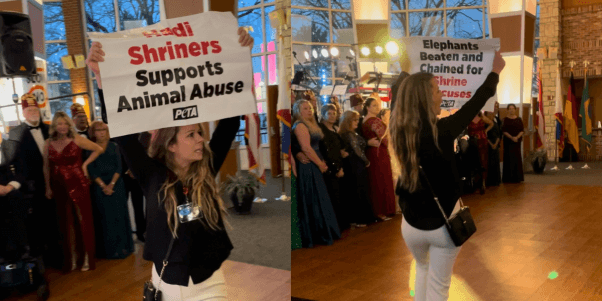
column 241, row 188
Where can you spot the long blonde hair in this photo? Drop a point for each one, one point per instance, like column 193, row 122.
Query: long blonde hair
column 412, row 112
column 311, row 123
column 53, row 134
column 200, row 179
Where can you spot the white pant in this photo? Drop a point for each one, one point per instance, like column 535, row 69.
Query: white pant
column 435, row 254
column 213, row 288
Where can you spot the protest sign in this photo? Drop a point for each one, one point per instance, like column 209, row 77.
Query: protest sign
column 460, row 66
column 177, row 72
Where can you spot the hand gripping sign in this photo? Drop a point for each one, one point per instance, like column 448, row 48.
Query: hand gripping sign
column 460, row 66
column 177, row 72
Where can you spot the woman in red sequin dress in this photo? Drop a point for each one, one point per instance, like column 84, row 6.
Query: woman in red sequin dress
column 478, row 129
column 67, row 182
column 380, row 175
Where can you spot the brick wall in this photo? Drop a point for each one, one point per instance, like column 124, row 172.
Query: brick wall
column 550, row 36
column 581, row 33
column 72, row 12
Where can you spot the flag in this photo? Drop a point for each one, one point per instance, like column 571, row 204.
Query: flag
column 540, row 125
column 570, row 116
column 253, row 135
column 558, row 115
column 284, row 110
column 586, row 116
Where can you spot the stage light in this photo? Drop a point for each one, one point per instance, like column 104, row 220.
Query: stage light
column 315, row 54
column 306, row 55
column 334, row 51
column 365, row 51
column 392, row 48
column 324, row 52
column 352, row 52
column 379, row 50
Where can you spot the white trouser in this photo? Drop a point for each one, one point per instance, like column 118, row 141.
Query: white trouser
column 213, row 288
column 435, row 254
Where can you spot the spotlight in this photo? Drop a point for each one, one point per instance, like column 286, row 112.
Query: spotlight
column 314, row 53
column 392, row 48
column 324, row 52
column 379, row 49
column 352, row 52
column 306, row 55
column 334, row 51
column 365, row 51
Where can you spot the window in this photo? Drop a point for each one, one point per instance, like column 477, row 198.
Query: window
column 59, row 82
column 322, row 37
column 115, row 15
column 535, row 87
column 255, row 15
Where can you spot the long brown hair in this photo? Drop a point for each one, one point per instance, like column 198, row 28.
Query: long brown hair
column 200, row 179
column 53, row 134
column 367, row 104
column 412, row 112
column 346, row 121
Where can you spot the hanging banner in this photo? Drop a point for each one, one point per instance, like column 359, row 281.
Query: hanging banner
column 460, row 66
column 177, row 72
column 38, row 86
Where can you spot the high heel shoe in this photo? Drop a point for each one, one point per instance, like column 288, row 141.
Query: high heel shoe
column 86, row 266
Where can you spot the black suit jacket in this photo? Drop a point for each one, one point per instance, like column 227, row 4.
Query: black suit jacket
column 11, row 165
column 33, row 163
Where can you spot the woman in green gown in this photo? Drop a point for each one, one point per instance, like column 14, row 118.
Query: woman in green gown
column 295, row 235
column 109, row 202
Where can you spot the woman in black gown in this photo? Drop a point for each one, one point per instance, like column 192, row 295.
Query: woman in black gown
column 357, row 192
column 513, row 130
column 333, row 151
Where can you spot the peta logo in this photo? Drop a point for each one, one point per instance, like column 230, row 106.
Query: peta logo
column 185, row 113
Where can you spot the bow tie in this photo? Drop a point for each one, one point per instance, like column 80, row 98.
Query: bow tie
column 34, row 127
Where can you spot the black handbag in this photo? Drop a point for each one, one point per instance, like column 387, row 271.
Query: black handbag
column 150, row 292
column 460, row 226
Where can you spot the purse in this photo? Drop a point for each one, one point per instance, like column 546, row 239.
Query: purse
column 150, row 292
column 460, row 226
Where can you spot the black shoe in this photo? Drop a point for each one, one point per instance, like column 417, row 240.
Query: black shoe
column 140, row 237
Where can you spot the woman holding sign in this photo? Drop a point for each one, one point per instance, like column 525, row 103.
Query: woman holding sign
column 422, row 140
column 177, row 176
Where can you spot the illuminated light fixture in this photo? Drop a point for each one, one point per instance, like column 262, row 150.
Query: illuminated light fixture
column 392, row 48
column 379, row 49
column 366, row 51
column 80, row 100
column 324, row 52
column 306, row 55
column 352, row 52
column 334, row 51
column 315, row 54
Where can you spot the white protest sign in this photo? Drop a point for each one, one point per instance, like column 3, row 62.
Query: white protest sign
column 460, row 66
column 177, row 72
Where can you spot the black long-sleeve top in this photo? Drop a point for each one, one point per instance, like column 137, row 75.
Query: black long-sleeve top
column 330, row 147
column 197, row 251
column 419, row 209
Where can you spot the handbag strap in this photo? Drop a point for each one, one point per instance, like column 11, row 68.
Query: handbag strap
column 435, row 196
column 165, row 262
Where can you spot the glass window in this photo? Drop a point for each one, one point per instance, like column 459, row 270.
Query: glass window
column 537, row 22
column 140, row 13
column 311, row 3
column 100, row 15
column 398, row 5
column 54, row 23
column 54, row 53
column 341, row 4
column 462, row 3
column 465, row 23
column 272, row 69
column 422, row 4
column 342, row 28
column 252, row 18
column 259, row 77
column 398, row 25
column 310, row 26
column 61, row 104
column 270, row 33
column 486, row 24
column 426, row 24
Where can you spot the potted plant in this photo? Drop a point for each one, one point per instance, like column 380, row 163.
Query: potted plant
column 241, row 188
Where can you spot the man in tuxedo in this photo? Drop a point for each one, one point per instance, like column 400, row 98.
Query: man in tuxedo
column 30, row 137
column 80, row 119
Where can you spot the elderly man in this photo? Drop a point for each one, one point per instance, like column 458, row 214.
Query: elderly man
column 29, row 138
column 78, row 114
